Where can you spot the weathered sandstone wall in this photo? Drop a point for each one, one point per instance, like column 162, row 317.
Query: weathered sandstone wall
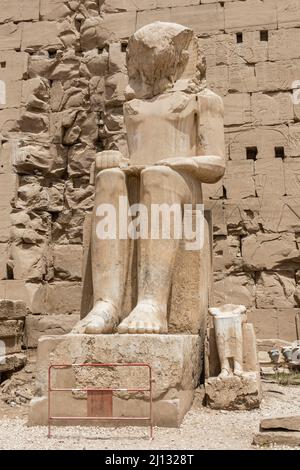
column 63, row 66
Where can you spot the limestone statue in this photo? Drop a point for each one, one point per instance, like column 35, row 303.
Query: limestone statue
column 228, row 321
column 175, row 137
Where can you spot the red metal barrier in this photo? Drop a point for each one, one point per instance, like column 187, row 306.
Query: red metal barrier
column 106, row 392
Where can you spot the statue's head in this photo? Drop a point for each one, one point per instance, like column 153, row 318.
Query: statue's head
column 161, row 57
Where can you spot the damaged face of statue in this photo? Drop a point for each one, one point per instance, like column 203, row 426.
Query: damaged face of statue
column 159, row 55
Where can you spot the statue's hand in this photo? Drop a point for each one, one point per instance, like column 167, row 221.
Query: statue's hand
column 180, row 163
column 109, row 159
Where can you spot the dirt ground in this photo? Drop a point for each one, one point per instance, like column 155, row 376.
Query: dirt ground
column 202, row 428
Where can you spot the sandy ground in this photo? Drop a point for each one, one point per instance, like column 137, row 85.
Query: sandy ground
column 202, row 428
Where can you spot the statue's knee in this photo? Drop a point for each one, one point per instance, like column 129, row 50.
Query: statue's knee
column 110, row 179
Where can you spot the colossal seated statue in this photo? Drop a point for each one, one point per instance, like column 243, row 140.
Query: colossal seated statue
column 175, row 137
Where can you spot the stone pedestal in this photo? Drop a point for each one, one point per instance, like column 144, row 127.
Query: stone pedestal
column 175, row 360
column 233, row 393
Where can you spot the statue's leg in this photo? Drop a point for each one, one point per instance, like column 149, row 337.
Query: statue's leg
column 159, row 185
column 110, row 259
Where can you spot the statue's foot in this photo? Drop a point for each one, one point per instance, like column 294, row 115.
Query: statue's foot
column 238, row 370
column 224, row 373
column 145, row 318
column 103, row 318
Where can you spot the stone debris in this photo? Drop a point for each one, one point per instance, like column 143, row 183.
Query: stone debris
column 12, row 318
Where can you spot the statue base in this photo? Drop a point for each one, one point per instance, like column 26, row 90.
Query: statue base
column 233, row 393
column 176, row 367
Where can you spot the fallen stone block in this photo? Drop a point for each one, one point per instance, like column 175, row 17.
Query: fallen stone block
column 288, row 423
column 280, row 438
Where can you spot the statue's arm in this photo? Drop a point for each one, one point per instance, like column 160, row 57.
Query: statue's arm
column 210, row 160
column 209, row 164
column 211, row 138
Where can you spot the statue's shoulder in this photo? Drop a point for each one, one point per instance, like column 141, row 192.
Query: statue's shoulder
column 210, row 101
column 132, row 107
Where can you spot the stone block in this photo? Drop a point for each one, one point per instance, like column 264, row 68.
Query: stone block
column 11, row 328
column 218, row 79
column 269, row 109
column 293, row 148
column 45, row 325
column 284, row 438
column 12, row 94
column 115, row 6
column 274, row 323
column 280, row 214
column 19, row 10
column 149, row 16
column 283, row 44
column 292, row 177
column 9, row 120
column 63, row 297
column 14, row 65
column 270, row 252
column 239, row 180
column 53, row 9
column 10, row 36
column 243, row 217
column 29, row 261
column 12, row 344
column 200, row 18
column 227, row 254
column 120, row 25
column 4, row 247
column 7, row 192
column 265, row 345
column 288, row 423
column 68, row 261
column 236, row 288
column 276, row 76
column 219, row 221
column 175, row 375
column 242, row 78
column 269, row 178
column 237, row 109
column 250, row 15
column 7, row 154
column 233, row 393
column 13, row 362
column 275, row 290
column 288, row 14
column 41, row 34
column 10, row 309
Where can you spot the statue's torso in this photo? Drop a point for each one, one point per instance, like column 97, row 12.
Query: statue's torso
column 164, row 127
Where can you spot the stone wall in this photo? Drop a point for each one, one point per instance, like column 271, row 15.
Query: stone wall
column 63, row 66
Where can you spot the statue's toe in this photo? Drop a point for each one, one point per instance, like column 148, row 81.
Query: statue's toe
column 95, row 327
column 122, row 328
column 78, row 329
